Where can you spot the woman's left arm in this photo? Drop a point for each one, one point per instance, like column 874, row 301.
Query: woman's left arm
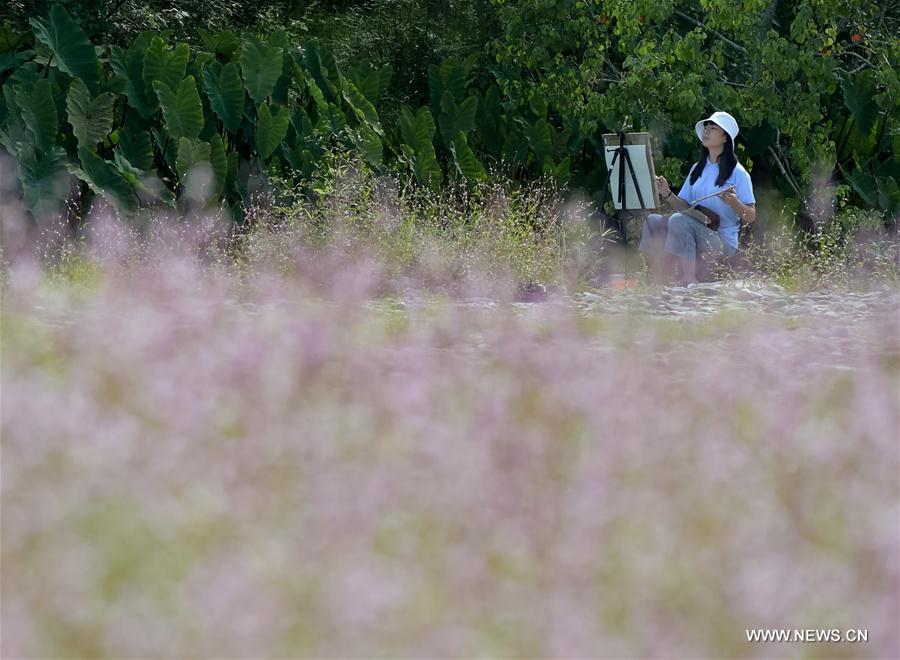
column 746, row 212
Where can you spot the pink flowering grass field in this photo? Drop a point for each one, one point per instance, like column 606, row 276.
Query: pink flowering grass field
column 218, row 460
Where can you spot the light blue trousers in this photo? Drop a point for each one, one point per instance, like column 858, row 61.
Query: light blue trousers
column 682, row 236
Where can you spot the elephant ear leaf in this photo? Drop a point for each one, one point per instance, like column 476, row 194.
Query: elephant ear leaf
column 190, row 153
column 540, row 138
column 858, row 93
column 465, row 160
column 361, row 106
column 130, row 65
column 182, row 109
column 106, row 180
column 427, row 169
column 270, row 130
column 218, row 160
column 457, row 117
column 39, row 114
column 165, row 65
column 71, row 47
column 44, row 180
column 91, row 119
column 418, row 130
column 368, row 142
column 261, row 66
column 371, row 81
column 136, row 148
column 226, row 93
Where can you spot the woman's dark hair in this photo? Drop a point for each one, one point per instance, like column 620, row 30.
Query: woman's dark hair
column 727, row 163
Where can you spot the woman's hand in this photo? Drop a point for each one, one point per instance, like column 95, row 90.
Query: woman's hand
column 662, row 186
column 745, row 212
column 730, row 198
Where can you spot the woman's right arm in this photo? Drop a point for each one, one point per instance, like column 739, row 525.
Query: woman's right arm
column 669, row 197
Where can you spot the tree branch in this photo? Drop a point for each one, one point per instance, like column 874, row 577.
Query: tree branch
column 721, row 36
column 767, row 19
column 785, row 173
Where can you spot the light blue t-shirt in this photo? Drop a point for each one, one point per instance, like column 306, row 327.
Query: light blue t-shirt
column 729, row 225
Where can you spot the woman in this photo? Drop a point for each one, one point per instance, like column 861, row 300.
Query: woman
column 678, row 239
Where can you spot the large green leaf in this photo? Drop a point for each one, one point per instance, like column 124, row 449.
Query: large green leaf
column 315, row 92
column 130, row 65
column 281, row 92
column 72, row 50
column 888, row 194
column 450, row 76
column 9, row 38
column 368, row 142
column 182, row 109
column 44, row 180
column 136, row 147
column 515, row 150
column 488, row 120
column 426, row 167
column 167, row 145
column 864, row 184
column 456, row 117
column 858, row 94
column 261, row 66
column 270, row 130
column 91, row 119
column 26, row 75
column 163, row 65
column 190, row 153
column 418, row 131
column 226, row 93
column 16, row 137
column 540, row 138
column 323, row 69
column 464, row 159
column 38, row 111
column 301, row 122
column 106, row 180
column 223, row 43
column 332, row 119
column 370, row 81
column 218, row 160
column 560, row 171
column 361, row 106
column 12, row 59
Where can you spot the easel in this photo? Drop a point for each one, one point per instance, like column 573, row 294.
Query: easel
column 622, row 156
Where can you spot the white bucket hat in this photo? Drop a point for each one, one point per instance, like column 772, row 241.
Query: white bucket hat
column 722, row 119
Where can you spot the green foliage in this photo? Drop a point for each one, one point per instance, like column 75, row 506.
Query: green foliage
column 369, row 143
column 39, row 114
column 181, row 108
column 464, row 159
column 191, row 153
column 106, row 179
column 456, row 118
column 361, row 106
column 271, row 130
column 261, row 66
column 226, row 93
column 418, row 147
column 135, row 146
column 163, row 66
column 44, row 179
column 130, row 66
column 69, row 44
column 91, row 118
column 532, row 103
